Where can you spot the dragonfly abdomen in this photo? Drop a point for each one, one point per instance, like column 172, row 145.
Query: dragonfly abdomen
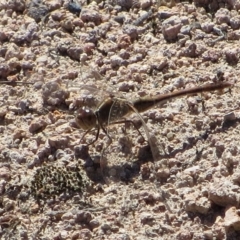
column 143, row 104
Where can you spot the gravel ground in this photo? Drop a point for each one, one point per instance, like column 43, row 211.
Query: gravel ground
column 57, row 56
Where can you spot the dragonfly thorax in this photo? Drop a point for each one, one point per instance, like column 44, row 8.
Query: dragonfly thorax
column 86, row 118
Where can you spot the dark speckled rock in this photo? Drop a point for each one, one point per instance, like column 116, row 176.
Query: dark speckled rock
column 74, row 7
column 37, row 10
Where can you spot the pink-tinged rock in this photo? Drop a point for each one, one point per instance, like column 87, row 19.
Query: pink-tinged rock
column 37, row 124
column 146, row 218
column 232, row 218
column 224, row 193
column 5, row 173
column 13, row 51
column 222, row 16
column 88, row 48
column 4, row 70
column 235, row 22
column 145, row 3
column 53, row 94
column 116, row 61
column 64, row 234
column 195, row 203
column 125, row 3
column 85, row 234
column 89, row 15
column 159, row 62
column 58, row 142
column 124, row 41
column 3, row 35
column 53, row 4
column 131, row 30
column 17, row 157
column 15, row 5
column 78, row 22
column 234, row 35
column 171, row 27
column 232, row 55
column 212, row 55
column 207, row 27
column 75, row 51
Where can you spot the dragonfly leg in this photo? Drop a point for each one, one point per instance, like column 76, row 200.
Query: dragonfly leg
column 105, row 131
column 103, row 150
column 135, row 126
column 96, row 138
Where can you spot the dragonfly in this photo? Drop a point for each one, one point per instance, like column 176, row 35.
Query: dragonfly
column 114, row 110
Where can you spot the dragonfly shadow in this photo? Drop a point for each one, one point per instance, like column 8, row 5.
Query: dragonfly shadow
column 128, row 171
column 122, row 173
column 125, row 172
column 214, row 128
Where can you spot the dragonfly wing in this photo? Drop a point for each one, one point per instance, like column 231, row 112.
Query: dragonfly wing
column 157, row 152
column 119, row 156
column 86, row 96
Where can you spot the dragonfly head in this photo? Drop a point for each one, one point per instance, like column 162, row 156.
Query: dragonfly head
column 86, row 118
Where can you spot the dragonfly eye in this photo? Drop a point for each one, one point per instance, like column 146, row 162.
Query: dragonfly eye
column 86, row 118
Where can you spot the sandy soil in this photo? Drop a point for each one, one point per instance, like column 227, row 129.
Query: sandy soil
column 54, row 60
